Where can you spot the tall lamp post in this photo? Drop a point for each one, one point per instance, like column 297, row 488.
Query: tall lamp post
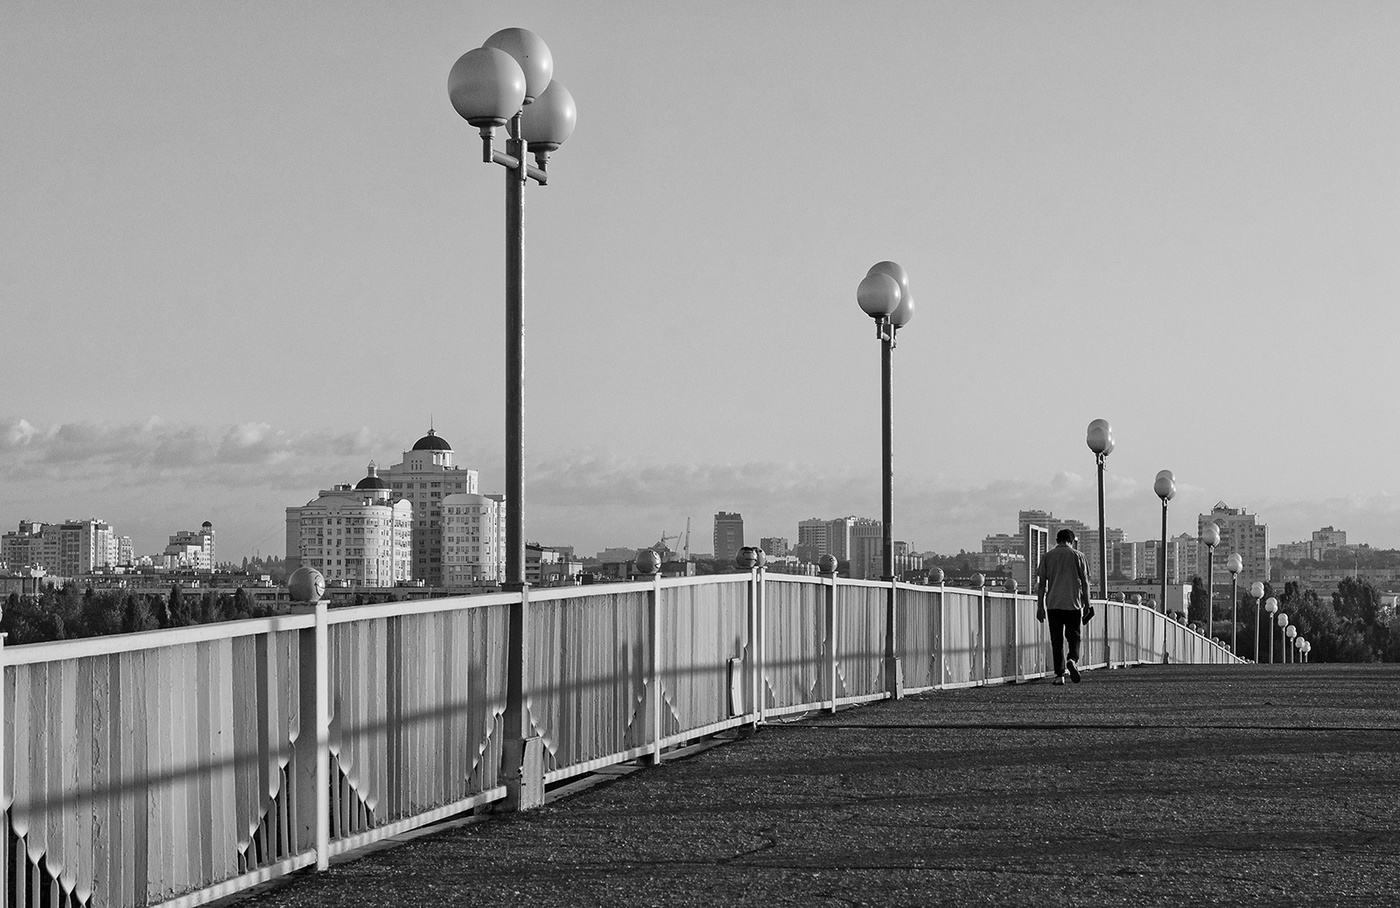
column 1100, row 441
column 1270, row 607
column 1282, row 620
column 1256, row 592
column 491, row 86
column 1211, row 537
column 1165, row 487
column 1291, row 632
column 884, row 296
column 1234, row 564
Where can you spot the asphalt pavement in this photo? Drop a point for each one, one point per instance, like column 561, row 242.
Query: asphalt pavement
column 1160, row 785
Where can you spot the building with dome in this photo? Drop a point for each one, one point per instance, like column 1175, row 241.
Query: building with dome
column 191, row 550
column 355, row 536
column 424, row 477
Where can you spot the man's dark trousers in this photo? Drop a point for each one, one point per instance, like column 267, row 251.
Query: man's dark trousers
column 1064, row 626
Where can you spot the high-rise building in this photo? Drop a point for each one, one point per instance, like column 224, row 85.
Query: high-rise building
column 67, row 549
column 774, row 546
column 423, row 478
column 1240, row 532
column 1328, row 538
column 867, row 549
column 1294, row 551
column 1181, row 559
column 1089, row 545
column 1003, row 544
column 729, row 536
column 355, row 536
column 473, row 552
column 817, row 536
column 1124, row 561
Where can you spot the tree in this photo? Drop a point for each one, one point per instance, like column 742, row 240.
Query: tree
column 242, row 603
column 1200, row 599
column 1356, row 600
column 136, row 616
column 175, row 610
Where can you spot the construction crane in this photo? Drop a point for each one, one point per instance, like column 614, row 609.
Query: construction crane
column 684, row 551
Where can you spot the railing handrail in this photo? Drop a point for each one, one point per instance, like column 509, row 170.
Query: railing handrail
column 400, row 719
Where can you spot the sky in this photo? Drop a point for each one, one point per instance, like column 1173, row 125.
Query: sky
column 247, row 248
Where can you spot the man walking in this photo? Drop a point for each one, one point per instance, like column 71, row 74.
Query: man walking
column 1062, row 587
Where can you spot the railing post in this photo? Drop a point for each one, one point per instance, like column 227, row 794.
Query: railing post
column 982, row 628
column 829, row 619
column 9, row 853
column 894, row 670
column 1016, row 635
column 323, row 738
column 942, row 633
column 761, row 599
column 313, row 758
column 755, row 659
column 654, row 668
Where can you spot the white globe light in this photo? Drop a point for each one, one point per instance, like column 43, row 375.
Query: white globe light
column 1100, row 437
column 878, row 294
column 894, row 270
column 486, row 86
column 550, row 120
column 530, row 51
column 1165, row 485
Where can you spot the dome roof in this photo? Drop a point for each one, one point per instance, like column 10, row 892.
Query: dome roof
column 431, row 442
column 371, row 481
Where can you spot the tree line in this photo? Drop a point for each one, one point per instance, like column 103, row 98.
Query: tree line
column 70, row 612
column 1347, row 626
column 64, row 613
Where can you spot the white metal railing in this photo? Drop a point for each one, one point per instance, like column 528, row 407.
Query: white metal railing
column 180, row 766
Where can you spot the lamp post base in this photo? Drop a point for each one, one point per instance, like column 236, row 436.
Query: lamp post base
column 894, row 678
column 523, row 773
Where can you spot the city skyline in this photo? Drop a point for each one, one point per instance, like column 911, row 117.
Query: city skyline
column 227, row 286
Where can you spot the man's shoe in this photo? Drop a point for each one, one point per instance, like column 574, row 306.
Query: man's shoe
column 1073, row 671
column 1059, row 679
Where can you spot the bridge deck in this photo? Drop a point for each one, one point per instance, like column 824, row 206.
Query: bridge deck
column 1167, row 785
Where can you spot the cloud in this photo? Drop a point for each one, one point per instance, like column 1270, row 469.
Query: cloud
column 154, row 453
column 18, row 433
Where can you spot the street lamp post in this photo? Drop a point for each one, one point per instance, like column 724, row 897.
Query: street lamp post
column 1211, row 537
column 1282, row 628
column 1270, row 607
column 1291, row 632
column 884, row 296
column 1256, row 590
column 1234, row 564
column 491, row 86
column 1165, row 487
column 1100, row 441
